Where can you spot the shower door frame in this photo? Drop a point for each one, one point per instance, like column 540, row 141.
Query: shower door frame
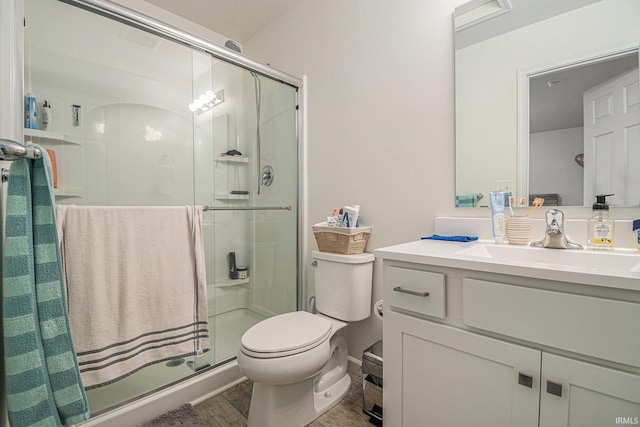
column 138, row 20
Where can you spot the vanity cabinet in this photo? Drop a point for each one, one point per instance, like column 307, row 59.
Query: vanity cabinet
column 580, row 394
column 506, row 351
column 436, row 375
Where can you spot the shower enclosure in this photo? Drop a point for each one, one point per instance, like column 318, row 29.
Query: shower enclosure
column 143, row 114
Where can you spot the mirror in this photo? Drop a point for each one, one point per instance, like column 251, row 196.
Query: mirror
column 524, row 69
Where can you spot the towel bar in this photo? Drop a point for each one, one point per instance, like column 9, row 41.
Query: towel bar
column 10, row 150
column 256, row 208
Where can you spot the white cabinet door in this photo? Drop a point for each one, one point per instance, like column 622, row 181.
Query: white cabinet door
column 580, row 394
column 436, row 375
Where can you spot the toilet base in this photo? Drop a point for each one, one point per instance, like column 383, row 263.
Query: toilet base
column 293, row 404
column 300, row 403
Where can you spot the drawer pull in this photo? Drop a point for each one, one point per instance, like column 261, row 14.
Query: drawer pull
column 525, row 380
column 410, row 292
column 554, row 388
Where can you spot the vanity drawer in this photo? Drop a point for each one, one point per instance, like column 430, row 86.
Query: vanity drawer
column 415, row 290
column 598, row 327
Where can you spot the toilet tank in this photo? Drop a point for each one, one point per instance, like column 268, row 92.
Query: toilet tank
column 343, row 285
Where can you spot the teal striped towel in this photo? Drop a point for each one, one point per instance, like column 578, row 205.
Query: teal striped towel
column 43, row 383
column 466, row 200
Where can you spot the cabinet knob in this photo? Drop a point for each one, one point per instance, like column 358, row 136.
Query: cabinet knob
column 554, row 388
column 525, row 379
column 410, row 292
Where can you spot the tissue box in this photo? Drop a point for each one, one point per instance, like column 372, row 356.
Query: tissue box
column 341, row 240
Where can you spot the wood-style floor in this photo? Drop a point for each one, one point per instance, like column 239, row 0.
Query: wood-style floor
column 230, row 408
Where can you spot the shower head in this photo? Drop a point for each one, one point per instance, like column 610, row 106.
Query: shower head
column 230, row 44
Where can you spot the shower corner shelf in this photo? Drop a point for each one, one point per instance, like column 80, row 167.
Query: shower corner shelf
column 48, row 136
column 227, row 196
column 67, row 192
column 225, row 283
column 232, row 159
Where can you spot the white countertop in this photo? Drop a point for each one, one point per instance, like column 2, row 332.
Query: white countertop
column 460, row 255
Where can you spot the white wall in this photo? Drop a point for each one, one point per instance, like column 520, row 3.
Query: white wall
column 552, row 156
column 380, row 116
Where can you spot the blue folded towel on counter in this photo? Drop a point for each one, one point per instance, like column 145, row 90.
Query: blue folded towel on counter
column 452, row 238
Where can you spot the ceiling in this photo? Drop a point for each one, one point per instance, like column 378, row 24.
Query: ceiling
column 556, row 100
column 236, row 19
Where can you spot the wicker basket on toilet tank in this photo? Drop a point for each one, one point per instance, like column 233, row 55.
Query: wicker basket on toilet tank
column 341, row 240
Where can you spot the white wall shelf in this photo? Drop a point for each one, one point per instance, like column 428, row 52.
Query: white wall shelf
column 227, row 196
column 69, row 155
column 67, row 192
column 48, row 136
column 224, row 283
column 232, row 159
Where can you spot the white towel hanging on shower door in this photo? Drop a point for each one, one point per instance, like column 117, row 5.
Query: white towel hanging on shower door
column 136, row 286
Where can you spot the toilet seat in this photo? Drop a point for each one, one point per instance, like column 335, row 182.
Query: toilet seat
column 285, row 335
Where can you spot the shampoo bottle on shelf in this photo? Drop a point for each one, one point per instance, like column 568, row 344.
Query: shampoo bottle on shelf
column 600, row 227
column 46, row 115
column 233, row 268
column 30, row 120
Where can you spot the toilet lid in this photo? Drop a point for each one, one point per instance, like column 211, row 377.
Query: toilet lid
column 289, row 332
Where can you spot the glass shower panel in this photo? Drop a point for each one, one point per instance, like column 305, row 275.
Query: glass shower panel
column 241, row 224
column 121, row 129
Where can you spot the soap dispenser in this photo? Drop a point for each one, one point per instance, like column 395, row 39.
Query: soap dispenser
column 600, row 227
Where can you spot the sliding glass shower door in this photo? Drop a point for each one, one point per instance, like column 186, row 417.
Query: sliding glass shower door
column 251, row 237
column 139, row 119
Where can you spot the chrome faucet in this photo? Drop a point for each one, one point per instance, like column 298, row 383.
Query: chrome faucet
column 554, row 236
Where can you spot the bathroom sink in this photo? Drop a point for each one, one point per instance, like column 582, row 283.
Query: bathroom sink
column 557, row 258
column 618, row 268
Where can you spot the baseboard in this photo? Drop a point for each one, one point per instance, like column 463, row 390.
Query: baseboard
column 355, row 365
column 218, row 391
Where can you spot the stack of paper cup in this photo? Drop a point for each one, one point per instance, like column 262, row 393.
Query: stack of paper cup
column 518, row 230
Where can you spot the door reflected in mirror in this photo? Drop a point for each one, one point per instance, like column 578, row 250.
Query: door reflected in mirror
column 584, row 124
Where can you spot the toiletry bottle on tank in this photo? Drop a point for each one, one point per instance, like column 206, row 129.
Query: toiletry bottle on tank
column 600, row 227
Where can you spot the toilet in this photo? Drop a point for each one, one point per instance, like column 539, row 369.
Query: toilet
column 298, row 361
